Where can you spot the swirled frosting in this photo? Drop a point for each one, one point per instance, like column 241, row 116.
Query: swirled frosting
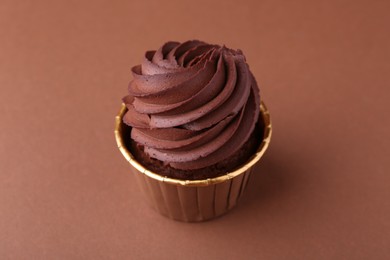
column 192, row 104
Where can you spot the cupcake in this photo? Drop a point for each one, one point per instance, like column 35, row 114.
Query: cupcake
column 192, row 126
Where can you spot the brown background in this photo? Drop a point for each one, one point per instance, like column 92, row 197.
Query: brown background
column 321, row 192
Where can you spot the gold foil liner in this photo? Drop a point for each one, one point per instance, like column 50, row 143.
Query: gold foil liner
column 192, row 200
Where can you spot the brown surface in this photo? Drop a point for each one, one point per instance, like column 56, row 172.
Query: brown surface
column 322, row 191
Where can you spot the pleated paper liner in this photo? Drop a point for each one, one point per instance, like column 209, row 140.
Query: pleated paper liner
column 193, row 200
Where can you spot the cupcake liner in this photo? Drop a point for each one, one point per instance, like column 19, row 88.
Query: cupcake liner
column 192, row 200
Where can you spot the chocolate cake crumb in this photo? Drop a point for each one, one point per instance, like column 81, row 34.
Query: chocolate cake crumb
column 228, row 165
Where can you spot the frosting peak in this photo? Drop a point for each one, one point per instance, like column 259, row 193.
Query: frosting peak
column 192, row 104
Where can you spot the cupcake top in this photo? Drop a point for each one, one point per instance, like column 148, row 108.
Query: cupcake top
column 192, row 104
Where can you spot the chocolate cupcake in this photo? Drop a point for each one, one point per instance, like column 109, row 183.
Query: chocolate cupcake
column 192, row 126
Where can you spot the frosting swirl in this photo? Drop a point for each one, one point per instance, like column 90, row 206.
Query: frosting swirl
column 192, row 104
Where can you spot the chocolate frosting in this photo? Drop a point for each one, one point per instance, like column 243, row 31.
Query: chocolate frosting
column 192, row 104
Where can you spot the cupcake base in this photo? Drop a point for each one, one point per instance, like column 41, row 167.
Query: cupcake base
column 193, row 200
